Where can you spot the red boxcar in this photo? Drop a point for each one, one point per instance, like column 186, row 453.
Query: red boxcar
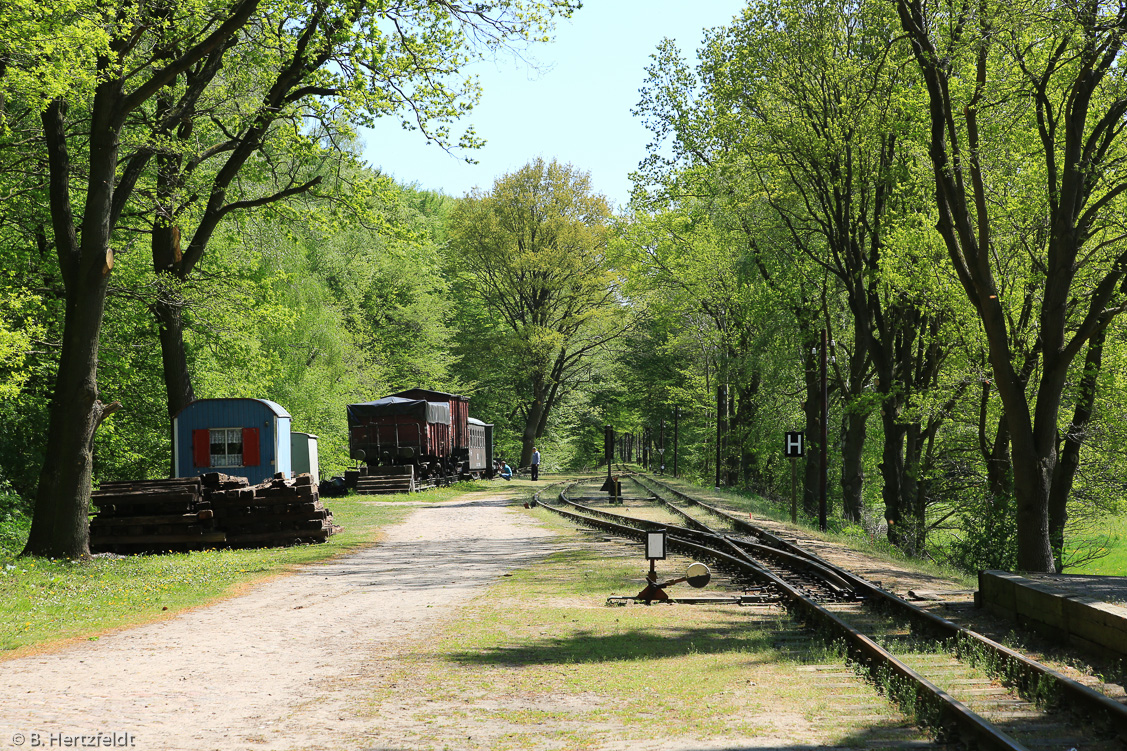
column 429, row 429
column 459, row 410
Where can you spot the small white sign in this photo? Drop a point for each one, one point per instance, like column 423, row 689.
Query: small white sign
column 655, row 545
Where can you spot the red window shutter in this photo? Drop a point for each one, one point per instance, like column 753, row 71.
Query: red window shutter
column 250, row 448
column 201, row 448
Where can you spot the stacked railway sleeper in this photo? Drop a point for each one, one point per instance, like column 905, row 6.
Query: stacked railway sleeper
column 210, row 511
column 966, row 688
column 277, row 512
column 147, row 515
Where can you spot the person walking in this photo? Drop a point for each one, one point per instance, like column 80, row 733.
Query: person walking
column 535, row 463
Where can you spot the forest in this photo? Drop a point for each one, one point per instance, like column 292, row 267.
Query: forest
column 935, row 191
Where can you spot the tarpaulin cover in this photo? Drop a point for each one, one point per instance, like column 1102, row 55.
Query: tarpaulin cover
column 431, row 412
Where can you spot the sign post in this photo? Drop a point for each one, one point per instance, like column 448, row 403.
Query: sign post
column 794, row 448
column 608, row 447
column 676, row 435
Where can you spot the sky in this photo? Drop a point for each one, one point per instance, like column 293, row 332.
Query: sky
column 576, row 108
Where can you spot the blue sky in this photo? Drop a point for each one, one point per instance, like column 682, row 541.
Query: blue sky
column 577, row 109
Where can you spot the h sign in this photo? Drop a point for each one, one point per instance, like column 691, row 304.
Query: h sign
column 795, row 445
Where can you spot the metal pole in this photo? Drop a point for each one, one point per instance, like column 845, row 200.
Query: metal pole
column 608, row 446
column 823, row 431
column 676, row 431
column 661, row 448
column 721, row 402
column 793, row 491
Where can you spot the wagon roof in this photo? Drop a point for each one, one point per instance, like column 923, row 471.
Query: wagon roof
column 277, row 409
column 428, row 395
column 432, row 412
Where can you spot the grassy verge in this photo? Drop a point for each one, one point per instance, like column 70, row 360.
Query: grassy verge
column 45, row 600
column 542, row 662
column 1113, row 561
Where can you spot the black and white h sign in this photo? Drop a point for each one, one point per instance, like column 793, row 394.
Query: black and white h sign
column 795, row 445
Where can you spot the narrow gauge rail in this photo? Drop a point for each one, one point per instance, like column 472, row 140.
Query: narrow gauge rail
column 832, row 598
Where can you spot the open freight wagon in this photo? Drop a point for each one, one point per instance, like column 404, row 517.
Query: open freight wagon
column 430, row 430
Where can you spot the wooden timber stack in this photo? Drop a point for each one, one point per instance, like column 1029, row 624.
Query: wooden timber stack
column 210, row 511
column 385, row 480
column 277, row 512
column 153, row 516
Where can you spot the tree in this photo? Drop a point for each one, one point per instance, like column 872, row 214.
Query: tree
column 534, row 249
column 1046, row 80
column 127, row 75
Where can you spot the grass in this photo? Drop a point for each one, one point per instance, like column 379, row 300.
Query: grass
column 1114, row 563
column 541, row 661
column 44, row 601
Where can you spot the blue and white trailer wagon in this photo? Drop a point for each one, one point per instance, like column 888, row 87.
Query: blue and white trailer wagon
column 243, row 437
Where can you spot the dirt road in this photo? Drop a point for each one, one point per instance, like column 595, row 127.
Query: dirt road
column 253, row 671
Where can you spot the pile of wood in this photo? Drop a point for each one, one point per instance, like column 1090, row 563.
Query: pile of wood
column 384, row 480
column 211, row 511
column 153, row 515
column 277, row 512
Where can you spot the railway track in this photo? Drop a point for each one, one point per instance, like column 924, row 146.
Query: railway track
column 964, row 687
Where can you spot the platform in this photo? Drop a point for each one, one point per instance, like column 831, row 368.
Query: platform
column 1089, row 612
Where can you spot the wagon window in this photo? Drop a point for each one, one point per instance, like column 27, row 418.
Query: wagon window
column 226, row 447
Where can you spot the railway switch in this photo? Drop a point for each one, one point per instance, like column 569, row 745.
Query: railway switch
column 698, row 574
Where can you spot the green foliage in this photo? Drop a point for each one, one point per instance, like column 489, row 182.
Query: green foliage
column 15, row 521
column 20, row 327
column 318, row 317
column 49, row 50
column 536, row 289
column 985, row 537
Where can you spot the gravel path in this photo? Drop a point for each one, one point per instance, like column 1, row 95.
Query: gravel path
column 254, row 671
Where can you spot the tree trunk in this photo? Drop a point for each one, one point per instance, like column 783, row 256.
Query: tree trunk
column 532, row 422
column 60, row 527
column 747, row 411
column 852, row 464
column 810, row 496
column 996, row 455
column 912, row 500
column 892, row 474
column 1032, row 480
column 1069, row 459
column 168, row 310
